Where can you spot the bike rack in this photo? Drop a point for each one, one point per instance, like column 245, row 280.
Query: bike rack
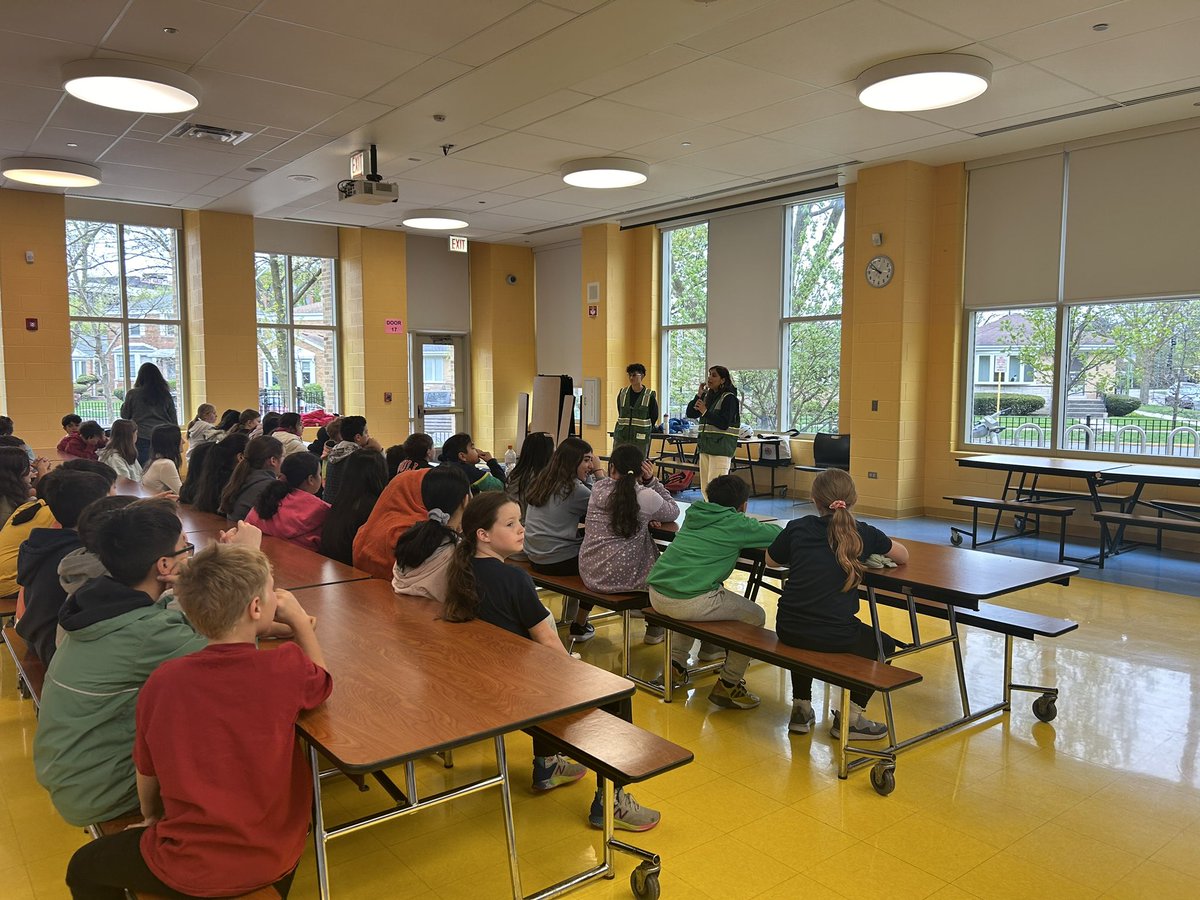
column 1182, row 429
column 1138, row 429
column 1087, row 429
column 1041, row 433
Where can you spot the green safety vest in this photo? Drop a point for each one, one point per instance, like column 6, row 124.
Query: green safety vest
column 719, row 441
column 633, row 418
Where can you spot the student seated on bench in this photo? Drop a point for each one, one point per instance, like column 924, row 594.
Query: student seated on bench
column 222, row 781
column 423, row 552
column 481, row 585
column 118, row 630
column 818, row 609
column 687, row 581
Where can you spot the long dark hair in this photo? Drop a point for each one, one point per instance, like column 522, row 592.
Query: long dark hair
column 195, row 468
column 123, row 439
column 364, row 476
column 244, row 419
column 535, row 456
column 295, row 469
column 259, row 452
column 164, row 443
column 221, row 462
column 627, row 460
column 443, row 490
column 462, row 593
column 558, row 479
column 229, row 419
column 153, row 386
column 14, row 466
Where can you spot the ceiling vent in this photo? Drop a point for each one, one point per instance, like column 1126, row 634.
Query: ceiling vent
column 212, row 134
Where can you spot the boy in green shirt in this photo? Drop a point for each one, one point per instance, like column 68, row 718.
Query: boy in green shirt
column 687, row 581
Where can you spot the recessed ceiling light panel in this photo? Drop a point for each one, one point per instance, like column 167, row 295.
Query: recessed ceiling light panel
column 605, row 172
column 435, row 220
column 932, row 81
column 47, row 172
column 131, row 85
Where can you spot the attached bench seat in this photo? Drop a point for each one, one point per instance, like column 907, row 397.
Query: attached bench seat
column 1125, row 520
column 1029, row 509
column 31, row 671
column 989, row 617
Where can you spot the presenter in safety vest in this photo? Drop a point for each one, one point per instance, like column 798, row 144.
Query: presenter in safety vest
column 716, row 406
column 637, row 411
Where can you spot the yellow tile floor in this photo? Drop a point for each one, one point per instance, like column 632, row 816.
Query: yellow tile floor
column 1105, row 801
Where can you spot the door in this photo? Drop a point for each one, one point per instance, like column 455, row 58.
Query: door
column 439, row 393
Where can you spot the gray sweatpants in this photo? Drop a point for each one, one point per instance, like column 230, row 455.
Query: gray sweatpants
column 716, row 605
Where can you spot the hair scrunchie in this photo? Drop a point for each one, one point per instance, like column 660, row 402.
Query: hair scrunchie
column 437, row 515
column 838, row 504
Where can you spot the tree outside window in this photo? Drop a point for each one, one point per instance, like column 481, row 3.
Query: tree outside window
column 685, row 314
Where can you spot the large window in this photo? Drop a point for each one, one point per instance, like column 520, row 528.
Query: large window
column 1126, row 377
column 297, row 333
column 685, row 315
column 124, row 301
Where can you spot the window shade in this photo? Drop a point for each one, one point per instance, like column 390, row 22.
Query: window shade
column 745, row 288
column 89, row 210
column 1133, row 213
column 295, row 238
column 1014, row 231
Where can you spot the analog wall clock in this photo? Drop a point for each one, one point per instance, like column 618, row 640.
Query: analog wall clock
column 880, row 271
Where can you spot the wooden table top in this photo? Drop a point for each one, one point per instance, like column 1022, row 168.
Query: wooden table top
column 295, row 567
column 194, row 520
column 1041, row 465
column 407, row 683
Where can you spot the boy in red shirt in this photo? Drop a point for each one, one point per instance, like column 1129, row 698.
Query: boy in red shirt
column 221, row 778
column 84, row 442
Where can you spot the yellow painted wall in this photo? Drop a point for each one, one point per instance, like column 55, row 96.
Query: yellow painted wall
column 35, row 386
column 372, row 288
column 222, row 345
column 503, row 341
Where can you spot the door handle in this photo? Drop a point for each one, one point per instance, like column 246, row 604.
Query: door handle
column 421, row 411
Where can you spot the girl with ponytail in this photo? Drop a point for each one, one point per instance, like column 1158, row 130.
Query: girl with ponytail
column 480, row 585
column 826, row 556
column 617, row 550
column 424, row 551
column 258, row 468
column 289, row 507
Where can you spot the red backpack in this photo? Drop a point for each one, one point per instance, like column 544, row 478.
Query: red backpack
column 679, row 481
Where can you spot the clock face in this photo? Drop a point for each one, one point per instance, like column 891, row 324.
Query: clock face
column 880, row 271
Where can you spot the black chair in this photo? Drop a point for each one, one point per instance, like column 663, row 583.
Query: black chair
column 830, row 451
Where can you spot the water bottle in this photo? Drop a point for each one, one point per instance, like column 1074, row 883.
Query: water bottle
column 510, row 459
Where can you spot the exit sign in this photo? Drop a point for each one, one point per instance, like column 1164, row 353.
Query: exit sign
column 458, row 244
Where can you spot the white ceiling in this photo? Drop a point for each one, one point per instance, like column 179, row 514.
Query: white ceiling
column 717, row 96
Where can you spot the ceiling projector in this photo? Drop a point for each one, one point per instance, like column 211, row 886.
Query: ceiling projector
column 365, row 184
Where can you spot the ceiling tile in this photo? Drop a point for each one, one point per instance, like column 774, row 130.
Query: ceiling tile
column 670, row 57
column 703, row 137
column 498, row 221
column 460, row 140
column 616, row 198
column 1147, row 58
column 837, row 45
column 253, row 100
column 36, row 61
column 299, row 146
column 1015, row 91
column 851, row 132
column 292, row 54
column 675, row 178
column 129, row 194
column 155, row 179
column 1073, row 32
column 1065, row 109
column 806, row 108
column 417, row 193
column 519, row 28
column 199, row 27
column 603, row 123
column 220, row 187
column 83, row 21
column 1184, row 84
column 53, row 142
column 353, row 116
column 463, row 173
column 175, row 157
column 237, row 4
column 76, row 114
column 709, row 90
column 985, row 20
column 536, row 187
column 542, row 108
column 540, row 210
column 194, row 201
column 19, row 135
column 418, row 81
column 426, row 26
column 27, row 104
column 752, row 157
column 765, row 19
column 525, row 151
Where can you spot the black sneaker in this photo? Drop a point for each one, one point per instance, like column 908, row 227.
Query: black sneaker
column 582, row 633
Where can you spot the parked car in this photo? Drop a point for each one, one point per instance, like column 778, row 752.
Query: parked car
column 1187, row 391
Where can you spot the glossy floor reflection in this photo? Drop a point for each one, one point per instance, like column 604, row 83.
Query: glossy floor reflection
column 1105, row 801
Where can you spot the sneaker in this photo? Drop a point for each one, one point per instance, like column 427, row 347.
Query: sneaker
column 712, row 655
column 803, row 718
column 861, row 728
column 550, row 772
column 679, row 676
column 628, row 814
column 732, row 696
column 655, row 634
column 582, row 633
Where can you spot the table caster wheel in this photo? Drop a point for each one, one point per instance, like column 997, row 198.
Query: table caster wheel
column 1019, row 523
column 23, row 689
column 1045, row 707
column 643, row 881
column 955, row 538
column 883, row 778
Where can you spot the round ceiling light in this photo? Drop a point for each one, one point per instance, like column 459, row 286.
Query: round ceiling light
column 435, row 219
column 932, row 81
column 131, row 85
column 50, row 172
column 605, row 172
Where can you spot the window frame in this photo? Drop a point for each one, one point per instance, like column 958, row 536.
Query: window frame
column 667, row 329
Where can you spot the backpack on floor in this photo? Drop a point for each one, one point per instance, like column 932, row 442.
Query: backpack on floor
column 679, row 481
